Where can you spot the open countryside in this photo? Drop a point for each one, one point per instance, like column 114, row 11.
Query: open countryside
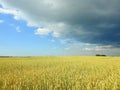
column 59, row 44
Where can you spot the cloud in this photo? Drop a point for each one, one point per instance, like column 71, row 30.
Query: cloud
column 7, row 11
column 90, row 49
column 42, row 31
column 94, row 22
column 17, row 14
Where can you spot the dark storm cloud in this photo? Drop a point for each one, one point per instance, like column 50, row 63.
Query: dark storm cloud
column 89, row 21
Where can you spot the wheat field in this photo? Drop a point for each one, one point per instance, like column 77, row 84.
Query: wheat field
column 60, row 73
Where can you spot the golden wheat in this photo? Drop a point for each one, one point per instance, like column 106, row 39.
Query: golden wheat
column 60, row 73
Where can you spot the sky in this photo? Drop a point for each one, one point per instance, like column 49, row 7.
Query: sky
column 59, row 27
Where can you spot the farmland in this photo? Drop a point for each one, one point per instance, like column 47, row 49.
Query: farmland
column 60, row 73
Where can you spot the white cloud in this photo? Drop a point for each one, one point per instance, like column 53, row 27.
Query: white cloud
column 98, row 47
column 17, row 14
column 7, row 11
column 88, row 44
column 102, row 48
column 56, row 34
column 77, row 48
column 89, row 49
column 42, row 31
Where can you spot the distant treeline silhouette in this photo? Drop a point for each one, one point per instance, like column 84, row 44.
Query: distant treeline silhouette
column 100, row 55
column 5, row 56
column 15, row 56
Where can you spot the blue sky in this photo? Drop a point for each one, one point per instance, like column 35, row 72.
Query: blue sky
column 24, row 41
column 57, row 28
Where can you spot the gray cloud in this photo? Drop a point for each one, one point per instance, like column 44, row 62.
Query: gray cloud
column 89, row 21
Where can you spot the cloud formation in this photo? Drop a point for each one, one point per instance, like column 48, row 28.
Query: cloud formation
column 42, row 31
column 88, row 21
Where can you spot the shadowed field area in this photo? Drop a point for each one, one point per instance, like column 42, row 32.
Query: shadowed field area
column 60, row 73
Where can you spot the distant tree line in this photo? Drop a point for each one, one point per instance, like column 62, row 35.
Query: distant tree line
column 15, row 56
column 5, row 56
column 100, row 55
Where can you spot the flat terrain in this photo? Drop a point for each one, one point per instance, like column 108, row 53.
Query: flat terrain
column 60, row 73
